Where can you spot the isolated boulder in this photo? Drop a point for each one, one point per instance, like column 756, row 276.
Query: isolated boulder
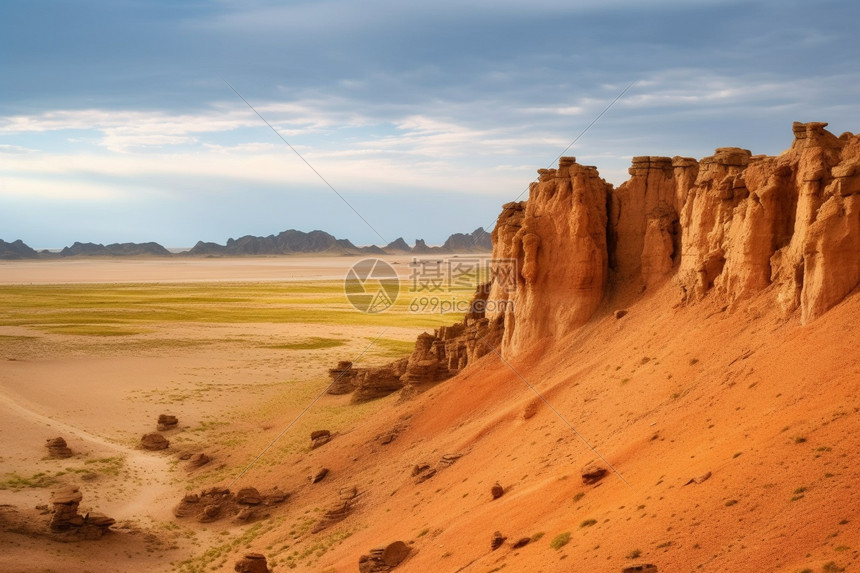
column 197, row 460
column 57, row 448
column 252, row 563
column 592, row 473
column 383, row 559
column 320, row 438
column 497, row 490
column 166, row 422
column 154, row 441
column 497, row 541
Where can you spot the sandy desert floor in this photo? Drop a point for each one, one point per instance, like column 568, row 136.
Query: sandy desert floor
column 95, row 350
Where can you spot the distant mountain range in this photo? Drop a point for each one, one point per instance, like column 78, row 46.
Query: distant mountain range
column 289, row 242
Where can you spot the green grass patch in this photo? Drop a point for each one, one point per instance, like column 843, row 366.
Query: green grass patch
column 313, row 343
column 560, row 540
column 392, row 347
column 15, row 481
column 90, row 330
column 129, row 306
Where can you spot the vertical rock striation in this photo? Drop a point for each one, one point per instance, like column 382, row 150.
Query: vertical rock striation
column 729, row 225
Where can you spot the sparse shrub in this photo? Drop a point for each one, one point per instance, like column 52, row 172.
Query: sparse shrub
column 799, row 440
column 578, row 496
column 831, row 567
column 537, row 536
column 634, row 554
column 560, row 540
column 588, row 523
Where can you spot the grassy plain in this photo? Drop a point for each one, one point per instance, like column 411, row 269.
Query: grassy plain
column 237, row 361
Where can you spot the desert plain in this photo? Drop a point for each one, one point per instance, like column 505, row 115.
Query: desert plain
column 95, row 350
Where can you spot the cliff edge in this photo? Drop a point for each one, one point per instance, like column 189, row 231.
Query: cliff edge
column 730, row 225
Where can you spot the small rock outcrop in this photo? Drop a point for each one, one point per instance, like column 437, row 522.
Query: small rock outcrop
column 644, row 568
column 343, row 508
column 522, row 542
column 383, row 559
column 320, row 438
column 216, row 503
column 197, row 460
column 342, row 378
column 436, row 357
column 252, row 563
column 154, row 441
column 58, row 449
column 593, row 473
column 318, row 475
column 497, row 490
column 166, row 422
column 497, row 540
column 70, row 524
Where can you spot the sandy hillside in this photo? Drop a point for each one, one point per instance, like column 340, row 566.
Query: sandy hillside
column 664, row 395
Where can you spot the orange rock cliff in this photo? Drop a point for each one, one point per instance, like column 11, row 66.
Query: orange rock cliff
column 730, row 225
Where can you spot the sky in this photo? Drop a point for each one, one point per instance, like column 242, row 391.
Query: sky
column 118, row 121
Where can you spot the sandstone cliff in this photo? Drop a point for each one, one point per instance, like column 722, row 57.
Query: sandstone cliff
column 730, row 225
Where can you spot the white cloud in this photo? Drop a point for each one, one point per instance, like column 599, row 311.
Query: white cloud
column 38, row 189
column 16, row 149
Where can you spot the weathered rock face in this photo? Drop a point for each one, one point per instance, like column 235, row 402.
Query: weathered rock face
column 729, row 225
column 790, row 220
column 57, row 448
column 436, row 357
column 69, row 524
column 558, row 239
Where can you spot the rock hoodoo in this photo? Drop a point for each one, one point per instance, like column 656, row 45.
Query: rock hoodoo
column 729, row 225
column 57, row 448
column 166, row 422
column 67, row 521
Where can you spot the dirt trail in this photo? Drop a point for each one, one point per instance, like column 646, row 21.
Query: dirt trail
column 153, row 470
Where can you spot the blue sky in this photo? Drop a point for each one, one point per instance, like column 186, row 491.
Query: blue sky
column 116, row 123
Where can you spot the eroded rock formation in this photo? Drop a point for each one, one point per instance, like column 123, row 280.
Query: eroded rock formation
column 216, row 503
column 58, row 449
column 67, row 522
column 730, row 225
column 436, row 357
